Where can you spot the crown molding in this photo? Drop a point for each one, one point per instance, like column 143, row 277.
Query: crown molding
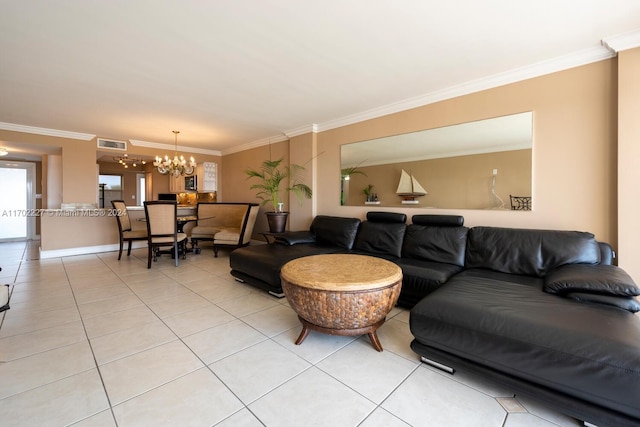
column 284, row 136
column 561, row 63
column 255, row 144
column 46, row 131
column 172, row 147
column 302, row 130
column 622, row 42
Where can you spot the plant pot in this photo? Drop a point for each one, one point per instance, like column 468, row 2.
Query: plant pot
column 277, row 221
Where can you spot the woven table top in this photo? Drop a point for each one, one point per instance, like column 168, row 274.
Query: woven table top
column 344, row 272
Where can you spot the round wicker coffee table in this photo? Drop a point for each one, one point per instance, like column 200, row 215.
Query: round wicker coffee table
column 341, row 294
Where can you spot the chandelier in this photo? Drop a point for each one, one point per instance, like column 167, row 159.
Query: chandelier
column 126, row 160
column 176, row 167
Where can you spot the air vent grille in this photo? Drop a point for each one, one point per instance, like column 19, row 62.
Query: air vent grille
column 112, row 145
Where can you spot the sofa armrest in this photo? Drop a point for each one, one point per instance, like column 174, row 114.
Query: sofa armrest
column 294, row 237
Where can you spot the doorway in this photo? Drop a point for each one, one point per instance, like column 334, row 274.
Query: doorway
column 17, row 201
column 141, row 189
column 110, row 188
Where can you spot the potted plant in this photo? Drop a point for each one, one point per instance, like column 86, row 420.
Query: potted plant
column 371, row 197
column 271, row 176
column 368, row 192
column 345, row 175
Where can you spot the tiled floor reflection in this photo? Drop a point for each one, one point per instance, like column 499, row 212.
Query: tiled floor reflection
column 93, row 341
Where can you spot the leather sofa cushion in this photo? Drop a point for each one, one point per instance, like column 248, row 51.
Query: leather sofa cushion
column 625, row 303
column 435, row 243
column 528, row 252
column 419, row 278
column 506, row 322
column 334, row 231
column 380, row 238
column 263, row 262
column 597, row 279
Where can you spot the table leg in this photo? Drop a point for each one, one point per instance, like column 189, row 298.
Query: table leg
column 303, row 334
column 369, row 330
column 375, row 342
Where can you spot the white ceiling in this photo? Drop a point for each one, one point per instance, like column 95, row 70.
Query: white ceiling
column 235, row 73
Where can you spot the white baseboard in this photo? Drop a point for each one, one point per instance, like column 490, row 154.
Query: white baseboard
column 56, row 253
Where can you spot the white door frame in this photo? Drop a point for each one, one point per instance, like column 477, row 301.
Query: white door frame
column 31, row 194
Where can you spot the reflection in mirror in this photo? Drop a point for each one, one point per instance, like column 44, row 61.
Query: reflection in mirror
column 475, row 165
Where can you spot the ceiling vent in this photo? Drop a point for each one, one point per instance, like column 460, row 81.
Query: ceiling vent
column 112, row 145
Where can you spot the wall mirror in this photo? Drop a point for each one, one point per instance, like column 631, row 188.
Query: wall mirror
column 475, row 165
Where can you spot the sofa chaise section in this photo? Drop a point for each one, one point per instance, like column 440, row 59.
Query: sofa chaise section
column 260, row 265
column 495, row 318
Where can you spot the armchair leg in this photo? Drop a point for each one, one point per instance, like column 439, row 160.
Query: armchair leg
column 215, row 251
column 149, row 257
column 120, row 253
column 129, row 249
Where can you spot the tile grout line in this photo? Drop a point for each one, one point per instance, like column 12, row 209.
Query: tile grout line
column 205, row 365
column 95, row 361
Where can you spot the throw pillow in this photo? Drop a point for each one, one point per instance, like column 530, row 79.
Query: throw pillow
column 596, row 279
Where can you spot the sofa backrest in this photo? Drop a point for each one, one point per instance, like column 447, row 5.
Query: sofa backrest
column 436, row 238
column 248, row 223
column 382, row 234
column 334, row 231
column 528, row 252
column 222, row 215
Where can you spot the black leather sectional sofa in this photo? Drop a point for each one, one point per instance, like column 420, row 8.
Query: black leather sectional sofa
column 543, row 312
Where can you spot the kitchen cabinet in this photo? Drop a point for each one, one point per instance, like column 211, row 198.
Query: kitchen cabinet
column 176, row 184
column 207, row 173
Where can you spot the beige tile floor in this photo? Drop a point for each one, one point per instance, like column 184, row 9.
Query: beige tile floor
column 93, row 341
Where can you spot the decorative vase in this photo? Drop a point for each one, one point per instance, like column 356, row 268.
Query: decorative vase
column 277, row 221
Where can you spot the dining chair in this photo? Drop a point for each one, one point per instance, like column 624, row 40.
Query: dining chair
column 124, row 227
column 162, row 229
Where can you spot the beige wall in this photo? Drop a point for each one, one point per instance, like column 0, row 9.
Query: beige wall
column 575, row 157
column 462, row 182
column 574, row 149
column 629, row 161
column 235, row 185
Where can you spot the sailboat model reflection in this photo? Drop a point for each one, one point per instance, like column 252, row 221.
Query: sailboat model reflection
column 409, row 189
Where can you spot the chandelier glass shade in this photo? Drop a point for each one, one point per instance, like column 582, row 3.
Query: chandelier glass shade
column 126, row 160
column 178, row 165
